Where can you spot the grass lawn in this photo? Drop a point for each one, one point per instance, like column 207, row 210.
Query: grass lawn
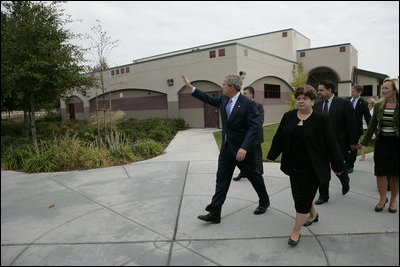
column 269, row 132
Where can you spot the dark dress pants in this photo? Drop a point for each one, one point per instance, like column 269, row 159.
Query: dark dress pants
column 352, row 157
column 344, row 177
column 226, row 165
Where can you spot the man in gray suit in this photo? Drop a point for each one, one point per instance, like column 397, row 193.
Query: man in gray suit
column 249, row 92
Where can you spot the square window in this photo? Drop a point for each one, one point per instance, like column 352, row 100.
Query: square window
column 117, row 71
column 112, row 72
column 367, row 90
column 302, row 54
column 342, row 49
column 221, row 52
column 213, row 54
column 127, row 69
column 272, row 91
column 122, row 70
column 284, row 34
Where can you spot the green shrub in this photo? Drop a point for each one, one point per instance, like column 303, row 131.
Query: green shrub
column 51, row 117
column 14, row 159
column 159, row 135
column 147, row 148
column 44, row 161
column 123, row 154
column 12, row 128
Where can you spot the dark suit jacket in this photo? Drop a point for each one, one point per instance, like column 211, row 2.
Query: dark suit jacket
column 260, row 108
column 361, row 110
column 343, row 119
column 242, row 127
column 320, row 143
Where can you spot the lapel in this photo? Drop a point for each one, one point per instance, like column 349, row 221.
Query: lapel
column 318, row 106
column 333, row 105
column 223, row 111
column 236, row 108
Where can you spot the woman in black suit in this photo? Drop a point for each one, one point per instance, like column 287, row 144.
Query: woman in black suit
column 308, row 146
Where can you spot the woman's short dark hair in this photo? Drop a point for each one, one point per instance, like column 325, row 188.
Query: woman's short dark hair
column 307, row 91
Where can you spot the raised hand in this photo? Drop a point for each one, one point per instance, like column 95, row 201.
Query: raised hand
column 185, row 79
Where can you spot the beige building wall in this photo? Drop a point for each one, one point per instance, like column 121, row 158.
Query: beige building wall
column 341, row 62
column 368, row 80
column 265, row 59
column 281, row 43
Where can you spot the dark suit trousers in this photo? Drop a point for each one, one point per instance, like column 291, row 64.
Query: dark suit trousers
column 352, row 157
column 259, row 160
column 324, row 187
column 226, row 165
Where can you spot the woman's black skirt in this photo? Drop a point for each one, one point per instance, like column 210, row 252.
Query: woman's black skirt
column 386, row 156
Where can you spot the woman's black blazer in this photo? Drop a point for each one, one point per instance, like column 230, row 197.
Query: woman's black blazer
column 320, row 143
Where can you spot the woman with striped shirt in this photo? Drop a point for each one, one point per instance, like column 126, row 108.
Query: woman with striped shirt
column 385, row 125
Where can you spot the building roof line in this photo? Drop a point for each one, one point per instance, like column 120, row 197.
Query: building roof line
column 328, row 46
column 190, row 49
column 371, row 73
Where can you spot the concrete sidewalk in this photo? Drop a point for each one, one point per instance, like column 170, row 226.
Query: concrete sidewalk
column 146, row 214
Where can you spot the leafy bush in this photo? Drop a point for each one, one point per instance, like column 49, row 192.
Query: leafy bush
column 12, row 128
column 147, row 148
column 43, row 161
column 79, row 144
column 15, row 158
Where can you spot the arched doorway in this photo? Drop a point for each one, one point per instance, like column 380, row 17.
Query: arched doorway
column 320, row 74
column 75, row 107
column 195, row 112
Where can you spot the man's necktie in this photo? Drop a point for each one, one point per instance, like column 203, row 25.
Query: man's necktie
column 228, row 108
column 353, row 102
column 326, row 106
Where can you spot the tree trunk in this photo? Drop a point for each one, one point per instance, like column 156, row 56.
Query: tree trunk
column 32, row 120
column 27, row 128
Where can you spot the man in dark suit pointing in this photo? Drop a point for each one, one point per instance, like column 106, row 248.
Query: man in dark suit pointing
column 240, row 124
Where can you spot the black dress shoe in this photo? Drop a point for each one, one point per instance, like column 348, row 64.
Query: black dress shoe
column 292, row 242
column 345, row 188
column 379, row 209
column 260, row 209
column 320, row 201
column 210, row 218
column 237, row 178
column 307, row 223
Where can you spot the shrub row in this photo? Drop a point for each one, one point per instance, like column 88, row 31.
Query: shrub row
column 76, row 145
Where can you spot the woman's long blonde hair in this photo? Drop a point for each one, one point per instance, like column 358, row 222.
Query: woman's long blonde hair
column 395, row 85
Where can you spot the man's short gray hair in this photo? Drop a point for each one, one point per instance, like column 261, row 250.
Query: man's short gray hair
column 234, row 80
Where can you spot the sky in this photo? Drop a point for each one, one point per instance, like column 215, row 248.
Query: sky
column 148, row 28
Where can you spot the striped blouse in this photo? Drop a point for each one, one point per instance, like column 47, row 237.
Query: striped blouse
column 388, row 123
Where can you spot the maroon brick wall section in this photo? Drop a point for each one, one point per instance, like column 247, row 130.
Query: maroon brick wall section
column 188, row 101
column 78, row 107
column 133, row 103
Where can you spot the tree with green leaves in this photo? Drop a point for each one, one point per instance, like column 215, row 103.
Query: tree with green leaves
column 299, row 78
column 39, row 65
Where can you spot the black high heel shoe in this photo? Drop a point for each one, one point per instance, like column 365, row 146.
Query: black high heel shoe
column 392, row 210
column 307, row 223
column 379, row 209
column 292, row 242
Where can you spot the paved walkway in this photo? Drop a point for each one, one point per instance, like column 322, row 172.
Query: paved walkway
column 146, row 214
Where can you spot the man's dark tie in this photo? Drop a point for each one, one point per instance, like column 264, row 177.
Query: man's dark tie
column 352, row 102
column 326, row 106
